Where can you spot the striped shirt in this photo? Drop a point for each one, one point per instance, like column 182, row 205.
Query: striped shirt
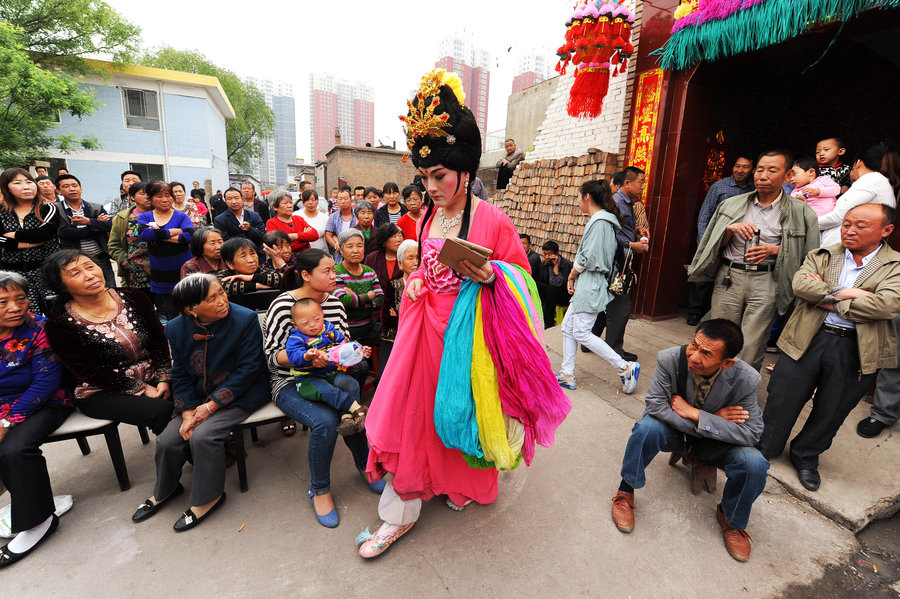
column 88, row 245
column 277, row 328
column 767, row 219
column 353, row 293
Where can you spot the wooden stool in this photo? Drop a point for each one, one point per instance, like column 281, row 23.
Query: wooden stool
column 702, row 475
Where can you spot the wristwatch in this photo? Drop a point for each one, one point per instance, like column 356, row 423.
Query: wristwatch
column 6, row 423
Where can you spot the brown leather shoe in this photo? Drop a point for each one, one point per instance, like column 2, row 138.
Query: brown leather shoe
column 623, row 511
column 737, row 542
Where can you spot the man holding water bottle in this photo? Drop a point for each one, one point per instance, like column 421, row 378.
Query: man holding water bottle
column 754, row 244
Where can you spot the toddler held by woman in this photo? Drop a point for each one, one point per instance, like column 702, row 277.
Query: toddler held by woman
column 307, row 345
column 817, row 190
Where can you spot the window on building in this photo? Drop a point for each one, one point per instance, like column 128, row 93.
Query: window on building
column 149, row 172
column 56, row 164
column 141, row 109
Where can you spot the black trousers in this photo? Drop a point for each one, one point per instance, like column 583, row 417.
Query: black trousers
column 139, row 410
column 699, row 298
column 830, row 368
column 503, row 177
column 23, row 468
column 617, row 313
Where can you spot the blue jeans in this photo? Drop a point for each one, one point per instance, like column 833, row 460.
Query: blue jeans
column 339, row 395
column 323, row 421
column 745, row 467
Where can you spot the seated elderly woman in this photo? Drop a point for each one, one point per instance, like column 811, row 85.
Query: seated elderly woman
column 112, row 343
column 212, row 395
column 243, row 273
column 33, row 403
column 206, row 247
column 358, row 289
column 280, row 243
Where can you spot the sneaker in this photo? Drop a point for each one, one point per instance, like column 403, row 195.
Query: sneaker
column 565, row 381
column 629, row 377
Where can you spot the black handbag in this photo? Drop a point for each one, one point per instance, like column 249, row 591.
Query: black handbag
column 622, row 278
column 708, row 451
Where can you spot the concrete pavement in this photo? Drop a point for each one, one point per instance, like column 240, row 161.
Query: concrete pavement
column 549, row 533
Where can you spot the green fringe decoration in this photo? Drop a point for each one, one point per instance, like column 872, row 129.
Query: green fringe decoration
column 757, row 27
column 483, row 464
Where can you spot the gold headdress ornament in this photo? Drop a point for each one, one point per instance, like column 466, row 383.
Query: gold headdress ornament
column 421, row 120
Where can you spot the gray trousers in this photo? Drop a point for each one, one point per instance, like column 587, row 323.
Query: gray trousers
column 750, row 303
column 207, row 450
column 886, row 408
column 617, row 313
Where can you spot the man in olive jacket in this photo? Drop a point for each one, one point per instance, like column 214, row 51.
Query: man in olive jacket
column 754, row 244
column 840, row 333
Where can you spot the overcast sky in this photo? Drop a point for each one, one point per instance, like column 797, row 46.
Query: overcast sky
column 388, row 45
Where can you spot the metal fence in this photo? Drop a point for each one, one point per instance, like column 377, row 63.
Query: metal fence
column 493, row 140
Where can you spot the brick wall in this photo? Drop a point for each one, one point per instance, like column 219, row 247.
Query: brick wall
column 367, row 166
column 561, row 135
column 542, row 197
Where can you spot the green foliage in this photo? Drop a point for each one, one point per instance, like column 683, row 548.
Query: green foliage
column 64, row 32
column 254, row 122
column 31, row 99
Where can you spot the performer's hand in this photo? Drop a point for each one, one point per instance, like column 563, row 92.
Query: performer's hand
column 479, row 274
column 735, row 414
column 413, row 289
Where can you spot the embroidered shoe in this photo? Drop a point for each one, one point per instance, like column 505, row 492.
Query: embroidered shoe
column 384, row 538
column 629, row 377
column 565, row 381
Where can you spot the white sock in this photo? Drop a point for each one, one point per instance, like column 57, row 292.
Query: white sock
column 27, row 539
column 387, row 529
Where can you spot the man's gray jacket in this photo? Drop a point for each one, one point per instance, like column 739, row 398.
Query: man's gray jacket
column 738, row 385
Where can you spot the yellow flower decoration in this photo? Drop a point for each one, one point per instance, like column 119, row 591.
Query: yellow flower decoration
column 433, row 80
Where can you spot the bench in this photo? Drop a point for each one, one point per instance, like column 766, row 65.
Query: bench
column 78, row 426
column 268, row 414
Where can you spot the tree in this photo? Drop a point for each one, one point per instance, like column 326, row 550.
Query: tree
column 63, row 32
column 254, row 121
column 43, row 43
column 31, row 100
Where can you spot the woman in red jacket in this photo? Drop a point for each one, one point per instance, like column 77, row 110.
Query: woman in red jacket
column 297, row 229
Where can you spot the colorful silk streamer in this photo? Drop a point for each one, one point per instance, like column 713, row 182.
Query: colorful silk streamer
column 497, row 395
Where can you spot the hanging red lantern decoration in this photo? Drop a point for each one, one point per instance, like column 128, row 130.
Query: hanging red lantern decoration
column 598, row 43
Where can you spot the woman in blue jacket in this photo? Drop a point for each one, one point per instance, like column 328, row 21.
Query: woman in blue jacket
column 219, row 377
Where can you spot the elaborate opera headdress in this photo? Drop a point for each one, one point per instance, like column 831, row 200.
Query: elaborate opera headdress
column 439, row 127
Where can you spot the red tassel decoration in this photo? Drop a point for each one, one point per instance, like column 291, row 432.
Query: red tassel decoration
column 588, row 91
column 618, row 43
